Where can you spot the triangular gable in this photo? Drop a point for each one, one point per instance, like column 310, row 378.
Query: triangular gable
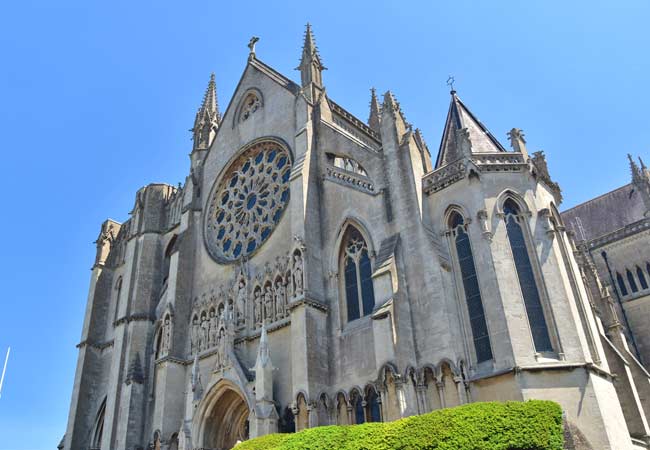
column 458, row 117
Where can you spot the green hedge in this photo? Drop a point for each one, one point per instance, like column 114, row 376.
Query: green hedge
column 531, row 425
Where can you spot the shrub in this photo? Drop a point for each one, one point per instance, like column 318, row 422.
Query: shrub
column 531, row 425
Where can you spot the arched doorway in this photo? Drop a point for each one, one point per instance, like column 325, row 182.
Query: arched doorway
column 224, row 418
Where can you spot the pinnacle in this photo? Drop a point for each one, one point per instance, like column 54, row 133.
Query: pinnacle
column 309, row 48
column 375, row 111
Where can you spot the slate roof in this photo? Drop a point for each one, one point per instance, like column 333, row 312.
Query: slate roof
column 459, row 116
column 605, row 214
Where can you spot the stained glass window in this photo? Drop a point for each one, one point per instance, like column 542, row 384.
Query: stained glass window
column 642, row 280
column 473, row 299
column 630, row 279
column 621, row 284
column 359, row 292
column 372, row 402
column 525, row 274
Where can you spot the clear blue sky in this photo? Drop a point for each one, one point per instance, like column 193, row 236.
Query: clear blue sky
column 96, row 99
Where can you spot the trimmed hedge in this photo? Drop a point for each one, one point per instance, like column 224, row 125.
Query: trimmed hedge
column 531, row 425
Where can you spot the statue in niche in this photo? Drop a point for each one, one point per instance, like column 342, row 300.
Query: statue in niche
column 279, row 299
column 297, row 275
column 258, row 306
column 221, row 349
column 241, row 302
column 204, row 333
column 268, row 303
column 194, row 335
column 166, row 336
column 221, row 317
column 212, row 329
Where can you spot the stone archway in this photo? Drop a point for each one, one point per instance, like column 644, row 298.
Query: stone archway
column 224, row 418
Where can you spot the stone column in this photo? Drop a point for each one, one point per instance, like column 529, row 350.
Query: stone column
column 441, row 392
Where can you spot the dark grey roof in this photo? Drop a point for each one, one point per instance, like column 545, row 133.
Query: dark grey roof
column 605, row 214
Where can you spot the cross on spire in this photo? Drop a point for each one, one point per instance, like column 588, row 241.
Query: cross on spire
column 450, row 82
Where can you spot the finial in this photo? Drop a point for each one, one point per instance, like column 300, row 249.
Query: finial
column 251, row 45
column 374, row 120
column 450, row 82
column 643, row 167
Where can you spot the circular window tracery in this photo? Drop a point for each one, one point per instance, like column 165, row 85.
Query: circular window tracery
column 248, row 201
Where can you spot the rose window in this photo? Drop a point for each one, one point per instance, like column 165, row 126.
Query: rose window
column 248, row 201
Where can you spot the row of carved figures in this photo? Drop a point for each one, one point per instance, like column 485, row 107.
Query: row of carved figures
column 269, row 295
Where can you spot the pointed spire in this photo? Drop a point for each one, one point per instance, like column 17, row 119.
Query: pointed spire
column 636, row 173
column 374, row 120
column 643, row 167
column 207, row 118
column 310, row 66
column 460, row 118
column 263, row 357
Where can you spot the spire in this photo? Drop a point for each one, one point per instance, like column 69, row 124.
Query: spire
column 375, row 111
column 636, row 173
column 461, row 121
column 263, row 357
column 207, row 118
column 643, row 167
column 310, row 66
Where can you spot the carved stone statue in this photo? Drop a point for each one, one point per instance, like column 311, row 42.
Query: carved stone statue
column 279, row 299
column 241, row 303
column 258, row 306
column 194, row 336
column 203, row 342
column 221, row 349
column 268, row 303
column 212, row 329
column 166, row 337
column 297, row 275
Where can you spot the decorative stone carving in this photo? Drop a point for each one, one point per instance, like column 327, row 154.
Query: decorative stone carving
column 221, row 350
column 212, row 329
column 258, row 306
column 194, row 335
column 268, row 303
column 297, row 274
column 280, row 293
column 166, row 336
column 203, row 341
column 241, row 303
column 247, row 202
column 250, row 105
column 482, row 217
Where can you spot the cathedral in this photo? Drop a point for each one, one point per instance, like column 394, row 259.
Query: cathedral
column 316, row 269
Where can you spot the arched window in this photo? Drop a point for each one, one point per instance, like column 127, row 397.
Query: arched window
column 355, row 262
column 471, row 289
column 632, row 281
column 357, row 407
column 526, row 276
column 642, row 280
column 621, row 284
column 98, row 428
column 647, row 268
column 373, row 411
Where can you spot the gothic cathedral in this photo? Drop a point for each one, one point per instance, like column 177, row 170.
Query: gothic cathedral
column 315, row 269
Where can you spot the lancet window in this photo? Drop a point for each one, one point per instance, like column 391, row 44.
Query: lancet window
column 357, row 275
column 529, row 289
column 470, row 287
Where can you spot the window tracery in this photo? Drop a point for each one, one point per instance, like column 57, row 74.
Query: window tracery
column 525, row 274
column 356, row 267
column 474, row 302
column 248, row 202
column 349, row 164
column 249, row 106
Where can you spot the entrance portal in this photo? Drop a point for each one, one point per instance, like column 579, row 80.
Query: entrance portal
column 225, row 420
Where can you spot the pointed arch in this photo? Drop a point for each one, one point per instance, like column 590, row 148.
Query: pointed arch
column 357, row 403
column 631, row 281
column 250, row 102
column 621, row 284
column 516, row 232
column 516, row 198
column 642, row 279
column 373, row 404
column 98, row 426
column 468, row 287
column 355, row 269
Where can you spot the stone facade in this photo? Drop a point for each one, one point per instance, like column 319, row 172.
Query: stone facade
column 314, row 269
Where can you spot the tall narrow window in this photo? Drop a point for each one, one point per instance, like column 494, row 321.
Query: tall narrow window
column 359, row 292
column 470, row 286
column 359, row 416
column 372, row 406
column 642, row 280
column 526, row 276
column 621, row 284
column 98, row 428
column 630, row 279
